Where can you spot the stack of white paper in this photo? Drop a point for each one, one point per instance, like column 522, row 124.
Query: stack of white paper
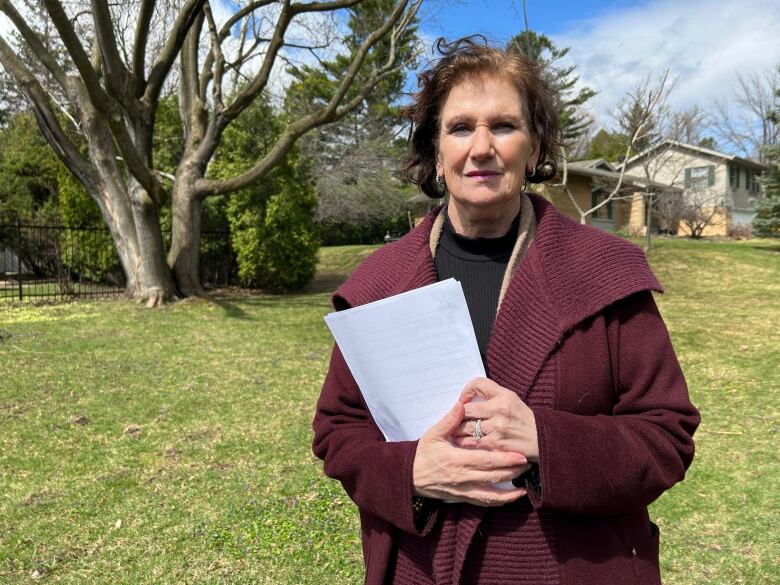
column 411, row 355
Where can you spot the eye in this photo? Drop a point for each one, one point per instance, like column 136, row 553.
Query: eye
column 460, row 129
column 504, row 127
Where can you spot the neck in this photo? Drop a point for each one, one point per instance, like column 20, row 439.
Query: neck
column 491, row 222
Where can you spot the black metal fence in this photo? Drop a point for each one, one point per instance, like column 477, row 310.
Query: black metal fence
column 59, row 262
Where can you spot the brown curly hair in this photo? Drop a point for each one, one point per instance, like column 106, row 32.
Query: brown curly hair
column 467, row 57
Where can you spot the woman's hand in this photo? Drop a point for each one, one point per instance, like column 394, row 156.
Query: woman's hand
column 506, row 422
column 446, row 472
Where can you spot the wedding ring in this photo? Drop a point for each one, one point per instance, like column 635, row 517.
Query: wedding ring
column 478, row 429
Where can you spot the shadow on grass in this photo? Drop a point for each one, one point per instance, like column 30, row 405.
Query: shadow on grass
column 326, row 283
column 773, row 249
column 233, row 302
column 230, row 308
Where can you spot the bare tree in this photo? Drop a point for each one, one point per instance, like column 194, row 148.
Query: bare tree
column 638, row 114
column 119, row 57
column 687, row 125
column 747, row 125
column 696, row 209
column 362, row 186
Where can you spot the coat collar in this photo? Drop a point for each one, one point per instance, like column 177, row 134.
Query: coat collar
column 569, row 273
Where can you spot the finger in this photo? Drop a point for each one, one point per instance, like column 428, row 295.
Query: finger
column 466, row 428
column 480, row 388
column 469, row 442
column 449, row 423
column 488, row 496
column 493, row 476
column 487, row 460
column 481, row 410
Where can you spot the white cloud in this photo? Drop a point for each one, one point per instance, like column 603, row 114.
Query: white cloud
column 704, row 43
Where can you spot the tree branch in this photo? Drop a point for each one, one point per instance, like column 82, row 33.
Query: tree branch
column 245, row 97
column 191, row 107
column 145, row 14
column 76, row 51
column 117, row 75
column 219, row 60
column 47, row 120
column 362, row 52
column 32, row 39
column 329, row 113
column 224, row 32
column 324, row 6
column 170, row 50
column 240, row 58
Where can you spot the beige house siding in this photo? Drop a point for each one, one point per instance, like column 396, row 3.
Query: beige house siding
column 636, row 215
column 580, row 188
column 719, row 225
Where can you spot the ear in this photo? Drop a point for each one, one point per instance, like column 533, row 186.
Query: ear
column 439, row 165
column 533, row 160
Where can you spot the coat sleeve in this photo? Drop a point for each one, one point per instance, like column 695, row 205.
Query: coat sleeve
column 376, row 474
column 612, row 464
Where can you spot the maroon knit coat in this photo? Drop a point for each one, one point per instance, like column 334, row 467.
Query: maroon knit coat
column 579, row 338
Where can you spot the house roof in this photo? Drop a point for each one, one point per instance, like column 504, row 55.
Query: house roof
column 700, row 150
column 573, row 168
column 593, row 163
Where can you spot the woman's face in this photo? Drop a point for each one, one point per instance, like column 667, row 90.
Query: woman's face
column 485, row 146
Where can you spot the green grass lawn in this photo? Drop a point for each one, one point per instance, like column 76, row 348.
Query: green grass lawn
column 173, row 445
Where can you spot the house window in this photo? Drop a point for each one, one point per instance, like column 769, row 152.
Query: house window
column 699, row 177
column 734, row 177
column 605, row 212
column 751, row 182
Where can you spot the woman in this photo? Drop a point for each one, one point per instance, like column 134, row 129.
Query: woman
column 584, row 407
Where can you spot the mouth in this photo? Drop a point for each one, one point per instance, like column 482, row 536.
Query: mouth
column 482, row 174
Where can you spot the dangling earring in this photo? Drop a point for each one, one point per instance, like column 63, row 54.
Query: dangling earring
column 528, row 176
column 441, row 184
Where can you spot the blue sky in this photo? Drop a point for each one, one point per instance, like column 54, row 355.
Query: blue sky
column 502, row 19
column 705, row 44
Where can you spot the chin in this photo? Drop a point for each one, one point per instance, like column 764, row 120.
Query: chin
column 486, row 200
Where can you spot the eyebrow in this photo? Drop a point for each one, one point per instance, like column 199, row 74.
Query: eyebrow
column 460, row 118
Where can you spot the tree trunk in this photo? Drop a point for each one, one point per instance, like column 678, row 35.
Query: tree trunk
column 132, row 217
column 138, row 241
column 184, row 255
column 648, row 222
column 153, row 282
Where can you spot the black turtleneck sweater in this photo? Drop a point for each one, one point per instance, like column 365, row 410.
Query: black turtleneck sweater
column 479, row 264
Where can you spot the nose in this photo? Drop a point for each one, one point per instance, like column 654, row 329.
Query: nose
column 482, row 143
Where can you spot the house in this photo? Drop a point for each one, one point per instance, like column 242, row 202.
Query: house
column 721, row 188
column 590, row 182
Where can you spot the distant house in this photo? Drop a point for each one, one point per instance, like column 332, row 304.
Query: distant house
column 589, row 183
column 724, row 184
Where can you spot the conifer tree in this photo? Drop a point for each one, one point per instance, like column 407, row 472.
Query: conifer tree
column 574, row 120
